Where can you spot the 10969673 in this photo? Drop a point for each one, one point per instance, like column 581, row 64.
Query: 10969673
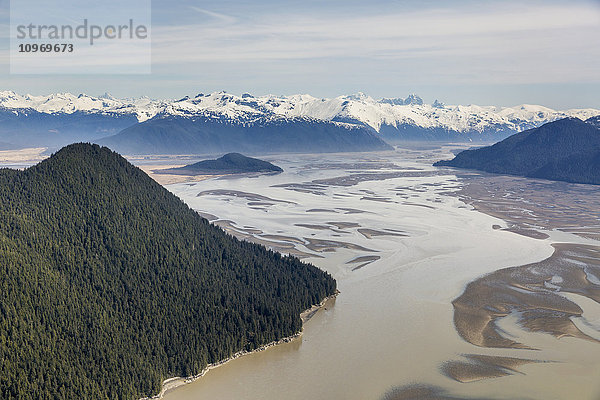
column 46, row 48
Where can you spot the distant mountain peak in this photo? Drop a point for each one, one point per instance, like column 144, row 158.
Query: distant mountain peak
column 412, row 99
column 359, row 96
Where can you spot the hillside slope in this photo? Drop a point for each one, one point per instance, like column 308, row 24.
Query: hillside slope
column 565, row 150
column 110, row 284
column 216, row 134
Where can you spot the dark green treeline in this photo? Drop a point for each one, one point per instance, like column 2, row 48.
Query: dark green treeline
column 110, row 284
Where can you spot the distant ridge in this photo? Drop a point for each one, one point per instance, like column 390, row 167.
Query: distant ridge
column 565, row 150
column 57, row 119
column 594, row 121
column 216, row 133
column 231, row 163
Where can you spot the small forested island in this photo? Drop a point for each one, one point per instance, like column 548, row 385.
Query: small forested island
column 231, row 163
column 564, row 150
column 110, row 284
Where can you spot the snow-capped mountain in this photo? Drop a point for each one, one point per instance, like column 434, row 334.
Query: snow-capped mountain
column 142, row 108
column 81, row 116
column 384, row 116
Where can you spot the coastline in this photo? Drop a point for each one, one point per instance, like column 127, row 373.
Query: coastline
column 177, row 381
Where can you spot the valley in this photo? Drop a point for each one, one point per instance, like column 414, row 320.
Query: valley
column 403, row 241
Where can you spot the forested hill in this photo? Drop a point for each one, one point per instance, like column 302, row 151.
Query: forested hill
column 110, row 284
column 564, row 150
column 231, row 163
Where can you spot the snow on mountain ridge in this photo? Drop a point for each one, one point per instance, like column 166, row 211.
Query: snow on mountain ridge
column 68, row 103
column 357, row 108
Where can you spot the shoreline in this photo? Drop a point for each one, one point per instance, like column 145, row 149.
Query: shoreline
column 177, row 381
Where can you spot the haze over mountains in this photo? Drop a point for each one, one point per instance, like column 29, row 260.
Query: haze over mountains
column 220, row 122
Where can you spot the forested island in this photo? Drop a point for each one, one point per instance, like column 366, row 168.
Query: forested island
column 564, row 150
column 110, row 284
column 231, row 163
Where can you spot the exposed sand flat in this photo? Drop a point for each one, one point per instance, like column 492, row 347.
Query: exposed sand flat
column 284, row 238
column 478, row 367
column 253, row 197
column 208, row 216
column 321, row 245
column 532, row 291
column 282, row 244
column 466, row 372
column 510, row 363
column 364, row 165
column 227, row 224
column 355, row 179
column 381, row 199
column 408, row 203
column 320, row 210
column 164, row 178
column 529, row 204
column 361, row 266
column 363, row 259
column 532, row 233
column 421, row 392
column 344, row 225
column 404, row 189
column 252, row 230
column 29, row 156
column 352, row 211
column 303, row 188
column 314, row 226
column 285, row 250
column 370, row 233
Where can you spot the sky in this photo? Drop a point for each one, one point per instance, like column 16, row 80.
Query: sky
column 459, row 52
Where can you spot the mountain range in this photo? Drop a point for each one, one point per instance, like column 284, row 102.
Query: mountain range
column 282, row 123
column 564, row 150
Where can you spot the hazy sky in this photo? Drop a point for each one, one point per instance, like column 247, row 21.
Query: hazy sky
column 484, row 52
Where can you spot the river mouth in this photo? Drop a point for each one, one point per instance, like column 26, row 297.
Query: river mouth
column 404, row 242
